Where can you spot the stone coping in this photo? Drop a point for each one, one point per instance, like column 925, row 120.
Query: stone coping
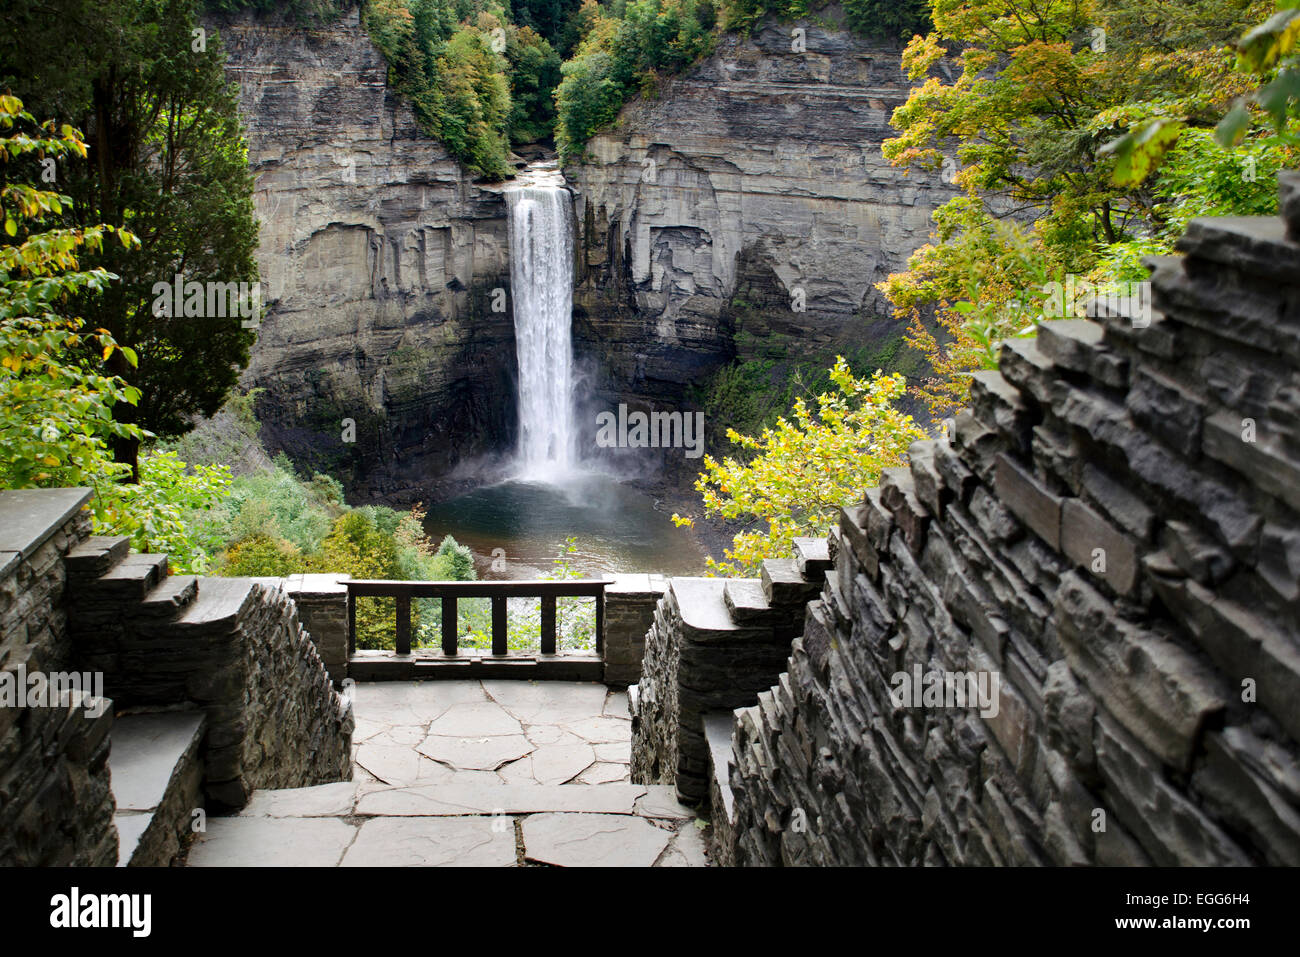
column 29, row 516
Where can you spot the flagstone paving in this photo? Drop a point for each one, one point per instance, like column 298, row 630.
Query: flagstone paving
column 471, row 773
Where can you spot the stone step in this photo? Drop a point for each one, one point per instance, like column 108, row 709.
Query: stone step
column 784, row 584
column 157, row 780
column 703, row 608
column 745, row 600
column 218, row 606
column 96, row 555
column 718, row 729
column 346, row 824
column 430, row 663
column 812, row 556
column 131, row 579
column 172, row 593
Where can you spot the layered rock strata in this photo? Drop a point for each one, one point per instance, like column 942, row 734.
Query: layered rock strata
column 379, row 256
column 746, row 210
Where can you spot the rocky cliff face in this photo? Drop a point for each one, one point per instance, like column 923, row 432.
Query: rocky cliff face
column 746, row 210
column 378, row 258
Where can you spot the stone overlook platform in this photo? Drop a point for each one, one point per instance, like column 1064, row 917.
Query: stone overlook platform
column 471, row 773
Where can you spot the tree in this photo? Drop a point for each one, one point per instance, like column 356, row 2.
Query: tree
column 56, row 397
column 534, row 75
column 804, row 469
column 1270, row 55
column 476, row 101
column 888, row 18
column 1022, row 128
column 167, row 161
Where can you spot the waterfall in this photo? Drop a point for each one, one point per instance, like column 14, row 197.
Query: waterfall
column 541, row 279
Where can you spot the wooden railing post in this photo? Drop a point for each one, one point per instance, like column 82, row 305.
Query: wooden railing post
column 548, row 624
column 352, row 624
column 403, row 643
column 500, row 645
column 449, row 628
column 600, row 622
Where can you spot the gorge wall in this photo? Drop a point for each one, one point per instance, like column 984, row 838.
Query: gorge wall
column 378, row 257
column 751, row 181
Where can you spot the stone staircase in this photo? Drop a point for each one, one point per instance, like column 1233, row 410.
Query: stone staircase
column 718, row 645
column 191, row 666
column 157, row 778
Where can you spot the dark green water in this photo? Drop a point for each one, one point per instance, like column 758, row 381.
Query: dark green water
column 617, row 527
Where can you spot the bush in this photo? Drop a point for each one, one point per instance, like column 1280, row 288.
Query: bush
column 621, row 56
column 170, row 510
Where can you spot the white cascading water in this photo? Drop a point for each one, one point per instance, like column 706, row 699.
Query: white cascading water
column 541, row 277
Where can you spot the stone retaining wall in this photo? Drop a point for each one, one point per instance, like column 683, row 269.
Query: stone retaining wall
column 1113, row 533
column 702, row 657
column 322, row 602
column 55, row 804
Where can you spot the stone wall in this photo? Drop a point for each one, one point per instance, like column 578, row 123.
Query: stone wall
column 297, row 731
column 629, row 612
column 55, row 804
column 322, row 603
column 1113, row 533
column 714, row 645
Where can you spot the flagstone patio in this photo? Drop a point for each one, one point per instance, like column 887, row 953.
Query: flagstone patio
column 471, row 773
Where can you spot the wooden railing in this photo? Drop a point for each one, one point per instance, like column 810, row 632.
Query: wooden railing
column 497, row 591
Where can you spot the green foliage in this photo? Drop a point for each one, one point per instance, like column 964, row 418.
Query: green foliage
column 534, row 75
column 274, row 524
column 475, row 102
column 1031, row 119
column 167, row 511
column 888, row 18
column 477, row 81
column 56, row 400
column 798, row 473
column 1269, row 53
column 168, row 162
column 302, row 11
column 870, row 18
column 623, row 55
column 262, row 555
column 277, row 505
column 458, row 560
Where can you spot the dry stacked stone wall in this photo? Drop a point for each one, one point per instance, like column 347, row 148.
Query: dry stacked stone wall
column 1109, row 540
column 55, row 804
